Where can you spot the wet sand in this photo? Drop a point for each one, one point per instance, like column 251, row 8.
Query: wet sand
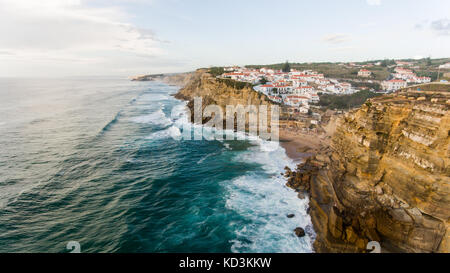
column 299, row 145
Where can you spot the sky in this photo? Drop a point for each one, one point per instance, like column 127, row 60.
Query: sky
column 48, row 38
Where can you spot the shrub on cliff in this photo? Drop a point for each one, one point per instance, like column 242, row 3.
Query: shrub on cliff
column 236, row 84
column 216, row 71
column 345, row 101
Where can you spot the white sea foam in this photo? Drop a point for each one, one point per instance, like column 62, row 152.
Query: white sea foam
column 154, row 97
column 178, row 119
column 171, row 132
column 204, row 158
column 179, row 115
column 157, row 118
column 269, row 154
column 262, row 197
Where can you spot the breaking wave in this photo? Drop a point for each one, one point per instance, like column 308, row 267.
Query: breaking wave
column 156, row 118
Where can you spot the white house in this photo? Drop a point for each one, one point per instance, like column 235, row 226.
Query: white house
column 364, row 73
column 294, row 100
column 276, row 99
column 296, row 82
column 322, row 81
column 445, row 66
column 314, row 98
column 345, row 87
column 303, row 90
column 423, row 79
column 283, row 88
column 303, row 109
column 266, row 88
column 308, row 78
column 401, row 63
column 393, row 85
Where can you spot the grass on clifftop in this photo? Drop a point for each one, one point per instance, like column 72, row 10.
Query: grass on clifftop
column 438, row 87
column 216, row 71
column 345, row 101
column 236, row 84
column 333, row 70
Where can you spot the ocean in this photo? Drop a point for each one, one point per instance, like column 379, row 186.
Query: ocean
column 97, row 161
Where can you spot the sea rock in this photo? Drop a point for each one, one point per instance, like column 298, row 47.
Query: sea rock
column 290, row 215
column 300, row 232
column 301, row 195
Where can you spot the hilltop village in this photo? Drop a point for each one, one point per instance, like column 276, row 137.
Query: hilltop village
column 300, row 88
column 294, row 88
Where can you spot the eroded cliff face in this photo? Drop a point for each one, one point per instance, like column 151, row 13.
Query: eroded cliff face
column 215, row 92
column 180, row 79
column 384, row 177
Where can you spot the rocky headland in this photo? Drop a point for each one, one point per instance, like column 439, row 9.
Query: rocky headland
column 214, row 91
column 384, row 176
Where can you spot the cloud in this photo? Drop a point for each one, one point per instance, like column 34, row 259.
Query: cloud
column 373, row 2
column 336, row 38
column 67, row 25
column 70, row 31
column 441, row 27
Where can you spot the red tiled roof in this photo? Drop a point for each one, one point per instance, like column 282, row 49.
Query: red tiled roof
column 396, row 81
column 296, row 97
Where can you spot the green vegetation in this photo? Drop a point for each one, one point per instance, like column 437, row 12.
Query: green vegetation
column 216, row 71
column 385, row 63
column 235, row 84
column 427, row 73
column 331, row 70
column 365, row 85
column 263, row 80
column 345, row 101
column 286, row 67
column 423, row 67
column 442, row 87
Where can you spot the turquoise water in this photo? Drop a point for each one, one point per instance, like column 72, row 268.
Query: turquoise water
column 94, row 161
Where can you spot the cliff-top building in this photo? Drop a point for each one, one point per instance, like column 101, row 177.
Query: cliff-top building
column 364, row 73
column 393, row 85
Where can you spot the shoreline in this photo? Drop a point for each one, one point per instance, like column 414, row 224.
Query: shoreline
column 299, row 145
column 293, row 146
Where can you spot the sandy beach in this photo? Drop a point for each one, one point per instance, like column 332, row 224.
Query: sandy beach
column 300, row 145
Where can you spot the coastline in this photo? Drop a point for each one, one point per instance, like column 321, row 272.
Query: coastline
column 300, row 145
column 293, row 204
column 332, row 179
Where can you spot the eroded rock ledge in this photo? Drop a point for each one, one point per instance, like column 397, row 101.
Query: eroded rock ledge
column 216, row 92
column 384, row 177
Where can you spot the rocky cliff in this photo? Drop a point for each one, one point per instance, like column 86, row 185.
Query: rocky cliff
column 180, row 79
column 384, row 177
column 219, row 92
